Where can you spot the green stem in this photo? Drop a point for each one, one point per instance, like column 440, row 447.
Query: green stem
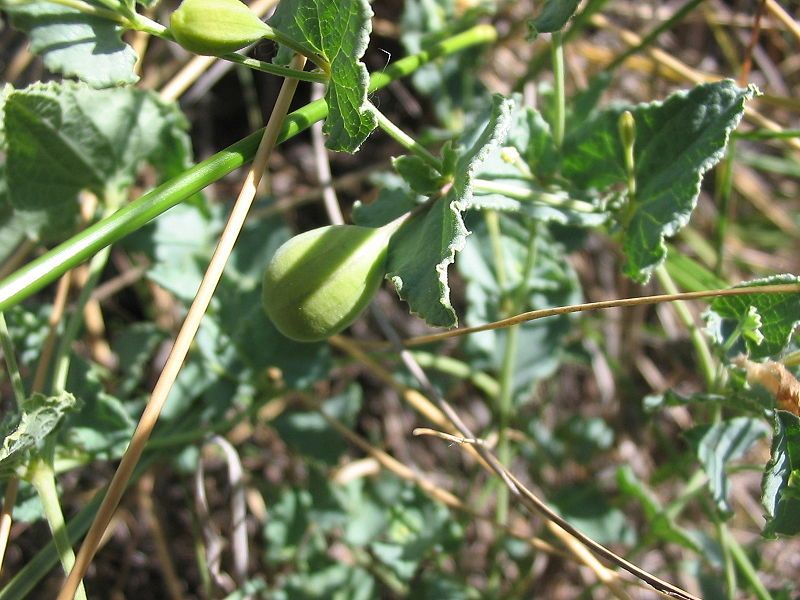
column 95, row 11
column 265, row 67
column 747, row 569
column 766, row 134
column 723, row 198
column 504, row 409
column 405, row 140
column 729, row 568
column 459, row 369
column 48, row 267
column 507, row 370
column 560, row 115
column 63, row 354
column 698, row 341
column 25, row 580
column 43, row 479
column 496, row 241
column 520, row 193
column 11, row 362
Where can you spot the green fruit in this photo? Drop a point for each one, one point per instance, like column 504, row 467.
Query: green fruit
column 216, row 27
column 318, row 282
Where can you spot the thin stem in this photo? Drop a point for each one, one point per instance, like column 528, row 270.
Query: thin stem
column 747, row 569
column 95, row 11
column 766, row 134
column 791, row 288
column 704, row 356
column 11, row 362
column 723, row 198
column 651, row 37
column 521, row 193
column 496, row 241
column 459, row 369
column 47, row 268
column 559, row 117
column 63, row 354
column 265, row 67
column 185, row 336
column 43, row 479
column 504, row 409
column 405, row 140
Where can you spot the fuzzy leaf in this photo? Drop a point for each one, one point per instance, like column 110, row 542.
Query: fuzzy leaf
column 76, row 44
column 23, row 432
column 421, row 252
column 526, row 162
column 553, row 16
column 64, row 137
column 719, row 444
column 781, row 484
column 779, row 315
column 338, row 31
column 677, row 141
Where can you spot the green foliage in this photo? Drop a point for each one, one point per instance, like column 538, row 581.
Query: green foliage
column 553, row 16
column 75, row 44
column 781, row 484
column 717, row 445
column 503, row 200
column 62, row 138
column 340, row 43
column 766, row 321
column 25, row 431
column 420, row 253
column 677, row 141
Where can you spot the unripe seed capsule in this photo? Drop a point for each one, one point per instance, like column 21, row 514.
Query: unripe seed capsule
column 216, row 27
column 318, row 282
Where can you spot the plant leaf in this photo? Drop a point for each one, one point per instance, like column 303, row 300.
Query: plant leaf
column 677, row 141
column 717, row 445
column 553, row 16
column 779, row 314
column 24, row 431
column 527, row 160
column 76, row 44
column 65, row 137
column 337, row 30
column 421, row 252
column 780, row 487
column 550, row 282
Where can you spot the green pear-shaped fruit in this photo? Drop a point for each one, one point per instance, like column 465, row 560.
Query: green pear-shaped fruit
column 318, row 282
column 216, row 27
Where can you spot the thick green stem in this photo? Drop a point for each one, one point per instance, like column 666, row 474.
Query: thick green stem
column 698, row 341
column 47, row 268
column 559, row 116
column 405, row 140
column 43, row 479
column 11, row 362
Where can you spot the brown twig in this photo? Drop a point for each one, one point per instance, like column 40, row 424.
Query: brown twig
column 165, row 562
column 573, row 308
column 535, row 504
column 184, row 339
